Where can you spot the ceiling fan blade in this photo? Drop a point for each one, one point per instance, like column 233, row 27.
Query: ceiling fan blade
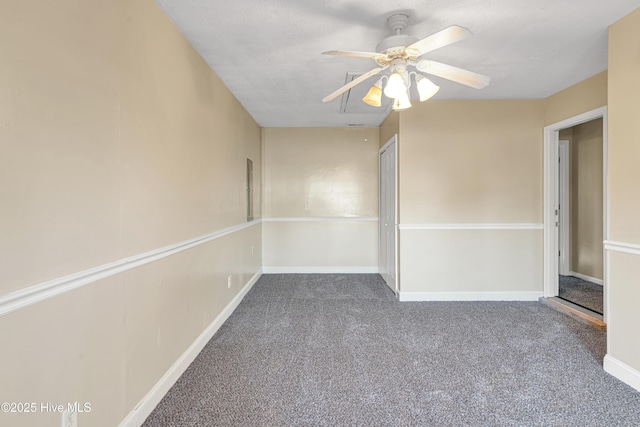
column 352, row 83
column 440, row 39
column 355, row 54
column 449, row 72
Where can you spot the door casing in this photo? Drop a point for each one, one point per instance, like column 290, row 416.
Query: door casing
column 563, row 202
column 550, row 210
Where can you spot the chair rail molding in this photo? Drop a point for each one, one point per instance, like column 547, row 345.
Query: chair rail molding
column 627, row 248
column 478, row 226
column 319, row 218
column 25, row 297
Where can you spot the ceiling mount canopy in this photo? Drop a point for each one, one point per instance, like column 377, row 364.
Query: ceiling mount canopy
column 398, row 53
column 397, row 24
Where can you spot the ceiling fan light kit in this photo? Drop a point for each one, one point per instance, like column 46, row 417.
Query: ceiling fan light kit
column 400, row 51
column 426, row 88
column 402, row 102
column 374, row 96
column 395, row 86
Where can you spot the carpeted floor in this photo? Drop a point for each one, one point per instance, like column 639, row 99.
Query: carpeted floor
column 578, row 291
column 339, row 350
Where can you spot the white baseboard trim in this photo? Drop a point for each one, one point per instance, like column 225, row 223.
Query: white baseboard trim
column 622, row 371
column 321, row 270
column 587, row 278
column 470, row 296
column 148, row 403
column 22, row 298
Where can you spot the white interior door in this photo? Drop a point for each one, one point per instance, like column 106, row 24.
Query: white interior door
column 388, row 213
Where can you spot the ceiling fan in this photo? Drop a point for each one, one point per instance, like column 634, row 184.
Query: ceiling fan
column 400, row 51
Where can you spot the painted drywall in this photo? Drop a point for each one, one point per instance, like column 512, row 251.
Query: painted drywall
column 624, row 294
column 471, row 162
column 624, row 150
column 471, row 261
column 624, row 179
column 586, row 199
column 566, row 134
column 59, row 125
column 585, row 96
column 389, row 127
column 323, row 246
column 117, row 139
column 321, row 175
column 109, row 343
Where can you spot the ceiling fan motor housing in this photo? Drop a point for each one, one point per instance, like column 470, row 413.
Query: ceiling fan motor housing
column 397, row 41
column 396, row 23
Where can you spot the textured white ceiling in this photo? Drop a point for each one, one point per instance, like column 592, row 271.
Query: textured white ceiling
column 268, row 52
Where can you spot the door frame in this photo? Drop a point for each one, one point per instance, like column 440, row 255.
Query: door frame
column 550, row 243
column 565, row 206
column 392, row 141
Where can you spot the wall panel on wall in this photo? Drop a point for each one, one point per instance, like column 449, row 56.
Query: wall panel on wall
column 471, row 162
column 320, row 196
column 625, row 268
column 471, row 262
column 325, row 245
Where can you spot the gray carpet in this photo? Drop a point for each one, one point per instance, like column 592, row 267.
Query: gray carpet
column 339, row 350
column 578, row 291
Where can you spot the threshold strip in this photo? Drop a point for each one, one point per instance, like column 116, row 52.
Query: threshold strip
column 580, row 305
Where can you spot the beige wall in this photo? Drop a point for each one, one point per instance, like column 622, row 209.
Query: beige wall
column 389, row 127
column 117, row 139
column 586, row 199
column 624, row 180
column 577, row 99
column 59, row 123
column 320, row 174
column 471, row 162
column 566, row 134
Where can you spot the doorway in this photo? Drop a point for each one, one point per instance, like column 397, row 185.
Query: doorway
column 580, row 205
column 575, row 211
column 388, row 213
